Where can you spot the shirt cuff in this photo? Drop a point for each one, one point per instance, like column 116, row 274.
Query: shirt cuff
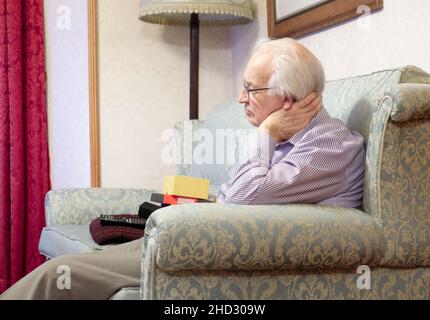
column 261, row 146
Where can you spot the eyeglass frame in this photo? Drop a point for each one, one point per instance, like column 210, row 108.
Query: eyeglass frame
column 247, row 90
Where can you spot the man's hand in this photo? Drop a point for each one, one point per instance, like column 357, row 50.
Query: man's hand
column 292, row 117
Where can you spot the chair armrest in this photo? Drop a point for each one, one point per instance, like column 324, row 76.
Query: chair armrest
column 242, row 237
column 80, row 206
column 411, row 101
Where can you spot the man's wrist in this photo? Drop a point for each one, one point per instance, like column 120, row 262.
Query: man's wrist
column 263, row 146
column 273, row 133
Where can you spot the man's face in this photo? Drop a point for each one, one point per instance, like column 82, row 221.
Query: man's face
column 260, row 104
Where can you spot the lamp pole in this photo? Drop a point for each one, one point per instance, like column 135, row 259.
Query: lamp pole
column 194, row 66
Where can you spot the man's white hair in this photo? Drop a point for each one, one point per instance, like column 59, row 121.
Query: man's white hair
column 296, row 71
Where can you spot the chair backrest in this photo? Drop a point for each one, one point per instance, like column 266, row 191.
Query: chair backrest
column 210, row 139
column 354, row 100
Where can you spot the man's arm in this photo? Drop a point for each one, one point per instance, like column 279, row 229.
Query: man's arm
column 311, row 172
column 308, row 174
column 282, row 124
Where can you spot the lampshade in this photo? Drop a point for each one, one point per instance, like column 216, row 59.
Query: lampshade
column 211, row 12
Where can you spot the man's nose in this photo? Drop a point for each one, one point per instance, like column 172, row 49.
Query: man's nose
column 243, row 98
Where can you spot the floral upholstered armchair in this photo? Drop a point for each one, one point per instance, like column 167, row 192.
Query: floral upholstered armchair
column 216, row 251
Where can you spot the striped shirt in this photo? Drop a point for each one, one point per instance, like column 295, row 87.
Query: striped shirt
column 321, row 164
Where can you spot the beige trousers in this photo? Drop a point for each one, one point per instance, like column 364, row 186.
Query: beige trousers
column 93, row 275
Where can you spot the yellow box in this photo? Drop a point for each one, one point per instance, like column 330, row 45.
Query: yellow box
column 186, row 186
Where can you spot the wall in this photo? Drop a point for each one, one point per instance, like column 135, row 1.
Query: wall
column 68, row 107
column 144, row 87
column 242, row 40
column 398, row 35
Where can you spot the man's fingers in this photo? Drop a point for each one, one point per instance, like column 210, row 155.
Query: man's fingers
column 307, row 100
column 315, row 105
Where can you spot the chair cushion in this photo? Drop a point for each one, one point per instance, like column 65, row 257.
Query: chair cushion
column 67, row 239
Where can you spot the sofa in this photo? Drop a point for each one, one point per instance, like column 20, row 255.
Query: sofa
column 296, row 251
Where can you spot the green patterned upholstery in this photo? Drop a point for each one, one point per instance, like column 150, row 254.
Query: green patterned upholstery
column 404, row 193
column 411, row 101
column 386, row 284
column 234, row 237
column 228, row 116
column 185, row 143
column 81, row 206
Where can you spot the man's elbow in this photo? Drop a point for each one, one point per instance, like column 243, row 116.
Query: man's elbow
column 238, row 198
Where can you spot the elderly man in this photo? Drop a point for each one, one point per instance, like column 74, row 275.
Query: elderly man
column 322, row 163
column 309, row 157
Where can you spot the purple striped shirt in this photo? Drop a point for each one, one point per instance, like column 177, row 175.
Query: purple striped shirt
column 321, row 164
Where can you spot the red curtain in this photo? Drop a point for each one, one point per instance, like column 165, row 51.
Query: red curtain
column 24, row 162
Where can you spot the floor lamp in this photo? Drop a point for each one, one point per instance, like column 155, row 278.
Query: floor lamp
column 196, row 13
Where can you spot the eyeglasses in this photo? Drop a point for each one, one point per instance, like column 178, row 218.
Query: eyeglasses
column 249, row 92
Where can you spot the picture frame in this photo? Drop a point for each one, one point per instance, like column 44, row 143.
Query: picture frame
column 303, row 17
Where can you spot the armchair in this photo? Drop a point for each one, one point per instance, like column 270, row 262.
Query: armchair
column 215, row 251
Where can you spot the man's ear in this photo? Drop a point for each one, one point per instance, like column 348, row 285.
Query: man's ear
column 288, row 102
